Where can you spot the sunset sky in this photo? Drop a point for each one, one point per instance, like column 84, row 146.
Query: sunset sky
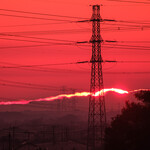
column 24, row 29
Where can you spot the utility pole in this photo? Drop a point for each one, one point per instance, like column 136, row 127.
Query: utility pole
column 97, row 112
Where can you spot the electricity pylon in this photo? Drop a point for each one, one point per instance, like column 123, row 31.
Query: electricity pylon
column 97, row 112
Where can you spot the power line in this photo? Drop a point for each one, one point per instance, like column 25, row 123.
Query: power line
column 37, row 24
column 49, row 31
column 39, row 65
column 114, row 44
column 37, row 68
column 142, row 72
column 126, row 48
column 28, row 84
column 1, row 34
column 105, row 23
column 39, row 18
column 23, row 86
column 128, row 29
column 33, row 68
column 126, row 61
column 134, row 22
column 24, row 46
column 52, row 43
column 127, row 24
column 37, row 13
column 71, row 63
column 67, row 31
column 133, row 42
column 114, row 61
column 130, row 46
column 127, row 1
column 73, row 42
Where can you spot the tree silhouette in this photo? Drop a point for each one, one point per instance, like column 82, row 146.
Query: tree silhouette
column 143, row 96
column 131, row 129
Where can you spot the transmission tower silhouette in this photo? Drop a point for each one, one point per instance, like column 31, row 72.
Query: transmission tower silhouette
column 97, row 112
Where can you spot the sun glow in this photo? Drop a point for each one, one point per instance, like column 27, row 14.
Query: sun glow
column 103, row 91
column 77, row 94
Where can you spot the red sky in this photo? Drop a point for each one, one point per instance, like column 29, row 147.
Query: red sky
column 78, row 75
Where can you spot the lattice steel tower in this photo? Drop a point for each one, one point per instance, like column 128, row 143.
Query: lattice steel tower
column 97, row 113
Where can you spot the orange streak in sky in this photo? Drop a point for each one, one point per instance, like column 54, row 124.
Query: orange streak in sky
column 81, row 94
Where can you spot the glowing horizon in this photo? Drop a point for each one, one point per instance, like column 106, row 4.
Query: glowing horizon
column 77, row 94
